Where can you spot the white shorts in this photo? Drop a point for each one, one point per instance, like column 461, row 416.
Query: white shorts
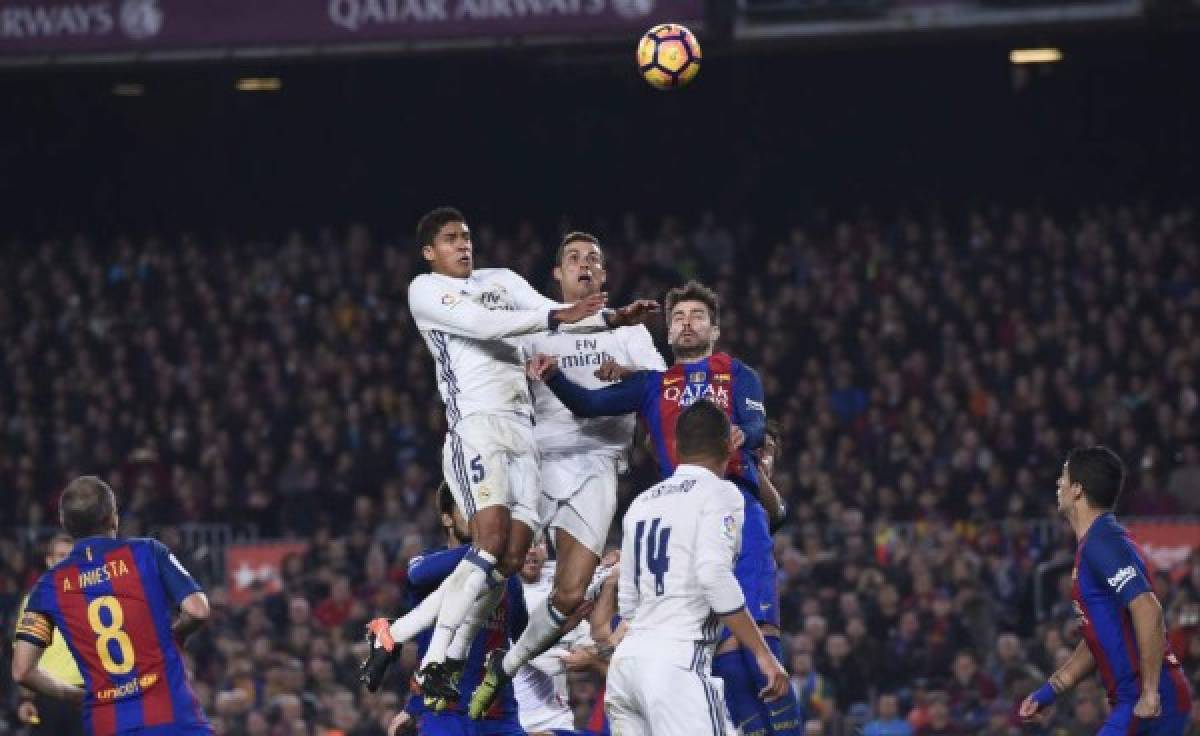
column 579, row 496
column 492, row 461
column 656, row 688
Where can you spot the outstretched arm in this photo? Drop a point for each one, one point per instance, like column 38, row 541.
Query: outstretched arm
column 436, row 308
column 620, row 398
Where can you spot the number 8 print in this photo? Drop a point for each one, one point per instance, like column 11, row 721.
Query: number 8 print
column 111, row 632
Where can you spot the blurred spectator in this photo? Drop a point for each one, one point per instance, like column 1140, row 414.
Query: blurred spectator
column 887, row 721
column 930, row 371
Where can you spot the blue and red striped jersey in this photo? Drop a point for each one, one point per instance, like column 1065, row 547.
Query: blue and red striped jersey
column 659, row 396
column 113, row 601
column 1109, row 573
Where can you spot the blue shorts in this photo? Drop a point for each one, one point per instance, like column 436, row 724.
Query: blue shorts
column 445, row 724
column 1121, row 722
column 509, row 726
column 743, row 681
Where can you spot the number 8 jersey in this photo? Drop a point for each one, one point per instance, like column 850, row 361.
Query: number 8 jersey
column 681, row 538
column 113, row 601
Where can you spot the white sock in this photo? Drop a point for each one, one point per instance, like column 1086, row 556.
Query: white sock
column 418, row 619
column 459, row 592
column 544, row 628
column 481, row 611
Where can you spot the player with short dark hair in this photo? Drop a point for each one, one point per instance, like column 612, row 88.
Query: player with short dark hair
column 680, row 539
column 580, row 458
column 693, row 313
column 1121, row 619
column 112, row 599
column 468, row 317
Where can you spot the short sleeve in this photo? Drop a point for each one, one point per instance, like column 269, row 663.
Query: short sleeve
column 176, row 580
column 33, row 625
column 41, row 598
column 1114, row 562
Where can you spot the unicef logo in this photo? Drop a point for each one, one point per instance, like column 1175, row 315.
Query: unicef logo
column 141, row 18
column 633, row 8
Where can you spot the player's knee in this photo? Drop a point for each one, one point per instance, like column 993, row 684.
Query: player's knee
column 566, row 599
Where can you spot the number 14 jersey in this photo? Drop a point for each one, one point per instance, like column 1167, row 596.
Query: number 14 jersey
column 680, row 540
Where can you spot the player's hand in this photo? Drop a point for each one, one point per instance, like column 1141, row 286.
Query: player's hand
column 738, row 436
column 401, row 724
column 1029, row 710
column 582, row 309
column 777, row 678
column 611, row 370
column 765, row 463
column 27, row 713
column 634, row 313
column 583, row 659
column 541, row 367
column 1149, row 705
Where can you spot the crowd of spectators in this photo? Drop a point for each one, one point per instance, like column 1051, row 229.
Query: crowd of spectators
column 929, row 373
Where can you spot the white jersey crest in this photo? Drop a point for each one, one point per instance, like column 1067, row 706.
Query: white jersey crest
column 579, row 355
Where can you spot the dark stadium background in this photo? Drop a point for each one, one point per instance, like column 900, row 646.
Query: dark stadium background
column 764, row 133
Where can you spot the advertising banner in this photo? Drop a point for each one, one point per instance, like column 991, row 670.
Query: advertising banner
column 116, row 26
column 252, row 569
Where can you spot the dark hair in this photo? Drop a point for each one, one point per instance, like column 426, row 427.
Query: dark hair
column 433, row 221
column 702, row 431
column 85, row 507
column 445, row 499
column 694, row 291
column 1101, row 473
column 775, row 431
column 575, row 236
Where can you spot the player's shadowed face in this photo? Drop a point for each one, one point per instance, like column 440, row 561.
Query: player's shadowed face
column 691, row 333
column 534, row 559
column 581, row 272
column 1065, row 494
column 451, row 253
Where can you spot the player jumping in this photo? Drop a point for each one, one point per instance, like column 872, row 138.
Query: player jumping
column 658, row 397
column 1121, row 619
column 580, row 458
column 490, row 459
column 680, row 540
column 112, row 599
column 425, row 574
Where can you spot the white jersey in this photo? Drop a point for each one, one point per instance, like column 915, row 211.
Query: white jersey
column 579, row 355
column 469, row 325
column 680, row 540
column 540, row 687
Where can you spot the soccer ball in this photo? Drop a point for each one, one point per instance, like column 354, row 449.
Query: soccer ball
column 668, row 56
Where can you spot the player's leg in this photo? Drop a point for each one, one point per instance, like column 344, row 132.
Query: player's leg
column 684, row 703
column 740, row 687
column 580, row 524
column 621, row 702
column 472, row 463
column 783, row 715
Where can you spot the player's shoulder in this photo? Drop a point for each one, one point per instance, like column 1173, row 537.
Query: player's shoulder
column 503, row 276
